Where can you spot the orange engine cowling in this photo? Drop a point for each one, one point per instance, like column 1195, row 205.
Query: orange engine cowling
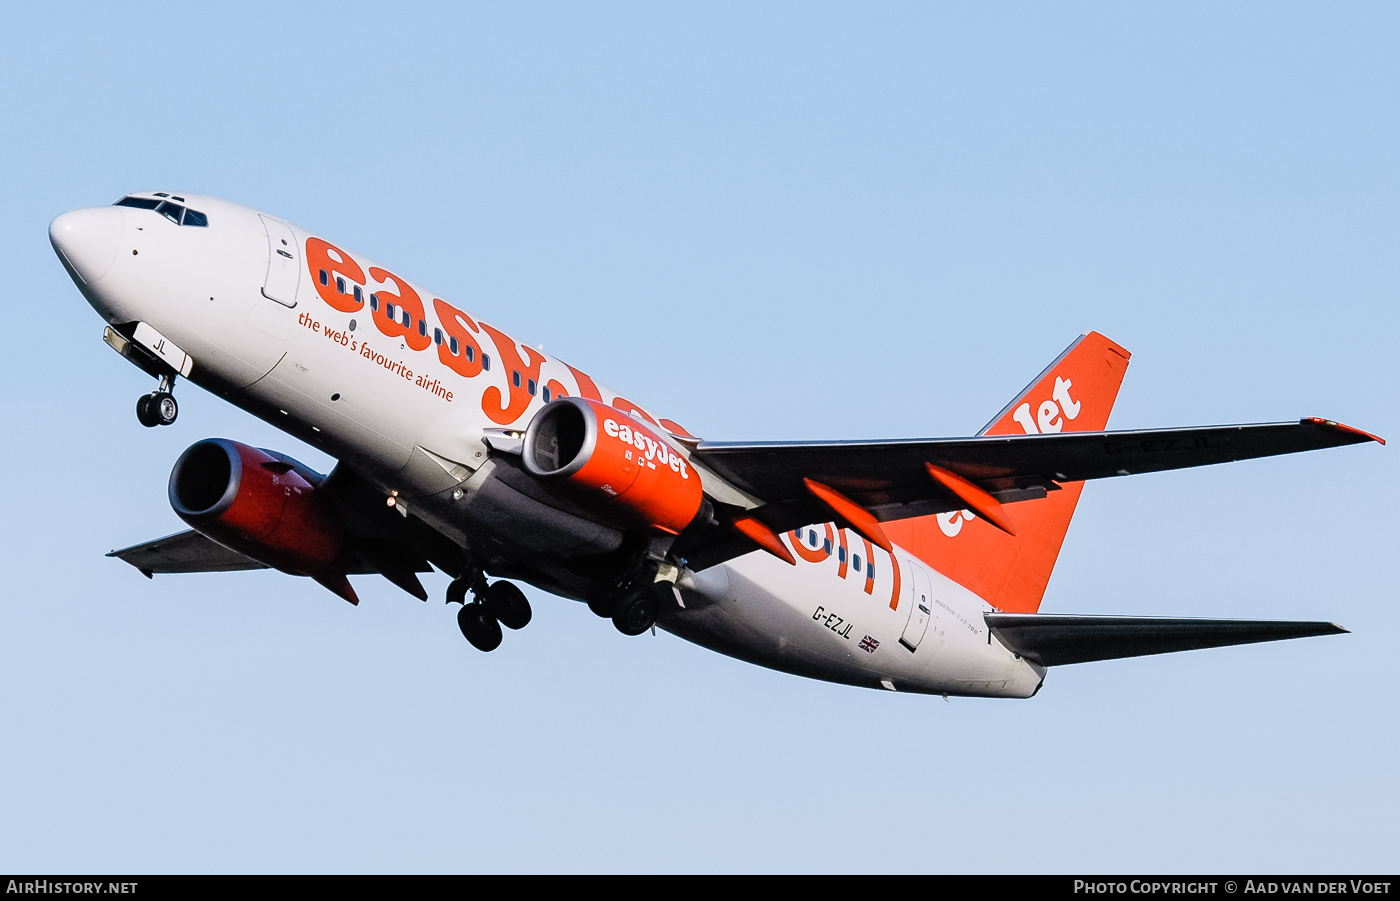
column 258, row 504
column 613, row 464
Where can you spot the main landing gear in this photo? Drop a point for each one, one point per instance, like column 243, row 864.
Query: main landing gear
column 158, row 407
column 633, row 602
column 496, row 604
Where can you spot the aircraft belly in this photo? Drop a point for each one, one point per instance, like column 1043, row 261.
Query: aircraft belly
column 491, row 506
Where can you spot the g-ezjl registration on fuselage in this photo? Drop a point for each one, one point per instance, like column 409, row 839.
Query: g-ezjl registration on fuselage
column 909, row 565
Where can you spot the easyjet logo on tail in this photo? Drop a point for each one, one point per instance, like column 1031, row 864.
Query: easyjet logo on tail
column 1047, row 416
column 951, row 524
column 1075, row 393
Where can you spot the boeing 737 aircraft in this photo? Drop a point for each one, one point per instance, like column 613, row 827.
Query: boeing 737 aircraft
column 914, row 565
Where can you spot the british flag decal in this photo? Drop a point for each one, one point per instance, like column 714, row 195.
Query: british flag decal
column 869, row 644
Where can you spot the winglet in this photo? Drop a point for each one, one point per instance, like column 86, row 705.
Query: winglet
column 1345, row 429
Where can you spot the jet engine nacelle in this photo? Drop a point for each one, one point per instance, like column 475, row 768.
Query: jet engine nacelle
column 612, row 464
column 259, row 505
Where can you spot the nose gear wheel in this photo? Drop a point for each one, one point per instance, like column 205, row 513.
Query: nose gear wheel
column 158, row 407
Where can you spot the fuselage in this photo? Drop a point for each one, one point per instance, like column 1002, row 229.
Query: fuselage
column 423, row 401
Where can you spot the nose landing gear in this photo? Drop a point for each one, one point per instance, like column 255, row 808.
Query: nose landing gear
column 497, row 604
column 158, row 407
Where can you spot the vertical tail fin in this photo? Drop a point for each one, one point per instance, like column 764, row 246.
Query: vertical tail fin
column 1074, row 394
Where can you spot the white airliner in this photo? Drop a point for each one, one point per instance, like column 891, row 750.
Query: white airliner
column 913, row 565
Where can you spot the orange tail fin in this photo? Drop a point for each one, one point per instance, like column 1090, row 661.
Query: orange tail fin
column 1074, row 394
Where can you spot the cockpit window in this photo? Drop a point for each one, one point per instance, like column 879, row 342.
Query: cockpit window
column 172, row 211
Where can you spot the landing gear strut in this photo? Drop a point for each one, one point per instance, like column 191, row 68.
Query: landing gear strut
column 158, row 407
column 496, row 604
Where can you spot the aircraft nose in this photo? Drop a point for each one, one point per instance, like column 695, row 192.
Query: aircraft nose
column 88, row 240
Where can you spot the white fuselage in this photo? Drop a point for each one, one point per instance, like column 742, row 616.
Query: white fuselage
column 411, row 414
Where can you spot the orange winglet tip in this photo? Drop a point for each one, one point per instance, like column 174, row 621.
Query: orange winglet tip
column 977, row 500
column 764, row 537
column 860, row 518
column 1350, row 430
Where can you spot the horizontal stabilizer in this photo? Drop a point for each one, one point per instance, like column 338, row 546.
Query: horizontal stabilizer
column 1058, row 640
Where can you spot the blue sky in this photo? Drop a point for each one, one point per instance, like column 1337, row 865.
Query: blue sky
column 768, row 222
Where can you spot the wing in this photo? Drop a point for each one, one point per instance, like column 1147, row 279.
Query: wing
column 893, row 479
column 184, row 552
column 191, row 552
column 1058, row 640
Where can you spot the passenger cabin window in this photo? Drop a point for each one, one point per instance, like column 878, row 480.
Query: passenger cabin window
column 407, row 319
column 452, row 345
column 325, row 279
column 359, row 295
column 471, row 351
column 485, row 361
column 437, row 336
column 339, row 285
column 841, row 555
column 374, row 302
column 532, row 387
column 545, row 395
column 391, row 311
column 855, row 562
column 515, row 378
